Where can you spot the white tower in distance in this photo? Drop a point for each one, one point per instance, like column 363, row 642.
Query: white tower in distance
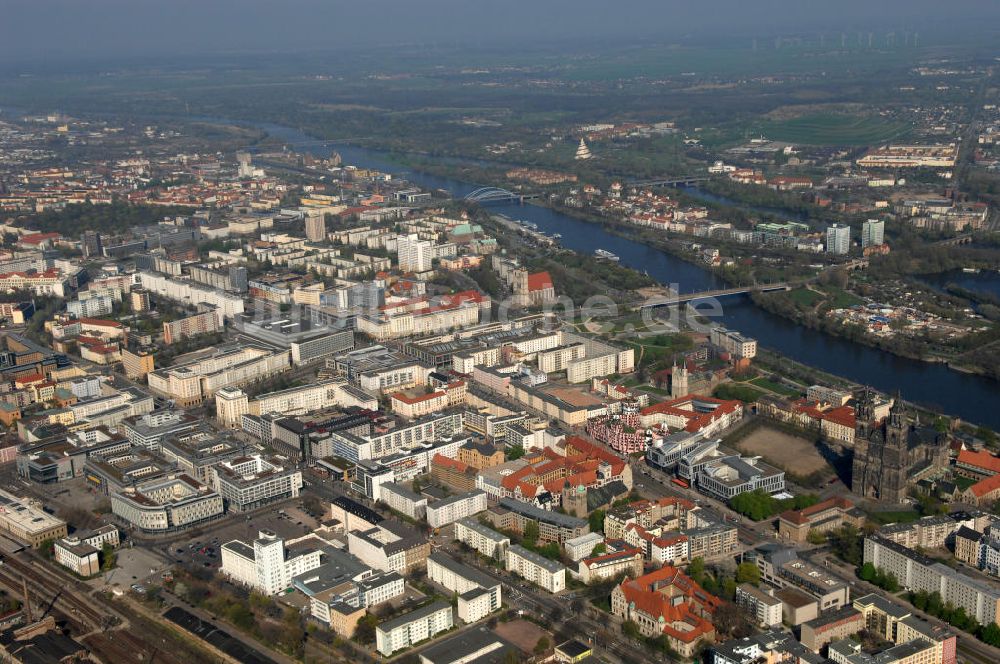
column 582, row 151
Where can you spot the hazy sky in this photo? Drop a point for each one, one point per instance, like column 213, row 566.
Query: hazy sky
column 51, row 30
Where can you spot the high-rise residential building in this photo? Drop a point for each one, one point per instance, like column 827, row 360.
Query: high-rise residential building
column 315, row 227
column 91, row 244
column 872, row 233
column 414, row 254
column 140, row 300
column 838, row 239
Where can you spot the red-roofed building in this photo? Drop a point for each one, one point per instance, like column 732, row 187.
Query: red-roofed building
column 693, row 413
column 984, row 492
column 628, row 561
column 548, row 472
column 670, row 603
column 38, row 240
column 453, row 473
column 838, row 424
column 831, row 514
column 531, row 289
column 977, row 465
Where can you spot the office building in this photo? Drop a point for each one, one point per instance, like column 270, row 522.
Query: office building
column 249, row 482
column 269, row 564
column 28, row 523
column 167, row 504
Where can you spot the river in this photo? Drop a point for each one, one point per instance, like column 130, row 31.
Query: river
column 973, row 398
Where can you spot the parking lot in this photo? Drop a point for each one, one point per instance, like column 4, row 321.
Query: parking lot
column 136, row 566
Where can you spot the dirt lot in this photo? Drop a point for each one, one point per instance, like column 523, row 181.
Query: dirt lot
column 791, row 453
column 522, row 634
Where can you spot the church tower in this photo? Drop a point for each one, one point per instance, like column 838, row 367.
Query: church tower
column 679, row 381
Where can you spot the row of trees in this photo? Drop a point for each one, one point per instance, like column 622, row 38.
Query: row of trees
column 884, row 580
column 759, row 505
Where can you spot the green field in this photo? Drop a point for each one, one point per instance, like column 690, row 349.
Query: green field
column 774, row 387
column 805, row 298
column 840, row 299
column 836, row 129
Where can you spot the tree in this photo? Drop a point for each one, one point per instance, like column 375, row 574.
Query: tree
column 542, row 646
column 991, row 634
column 596, row 520
column 868, row 572
column 364, row 632
column 108, row 557
column 514, row 452
column 696, row 569
column 748, row 573
column 630, row 628
column 530, row 533
column 816, row 537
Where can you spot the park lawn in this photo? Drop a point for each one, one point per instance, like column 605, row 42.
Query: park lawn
column 774, row 387
column 805, row 298
column 836, row 129
column 653, row 390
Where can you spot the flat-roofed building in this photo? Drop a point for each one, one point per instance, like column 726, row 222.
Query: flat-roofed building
column 167, row 504
column 544, row 573
column 403, row 631
column 482, row 538
column 269, row 563
column 80, row 557
column 831, row 626
column 27, row 522
column 760, row 603
column 478, row 594
column 403, row 500
column 442, row 512
column 249, row 482
column 917, row 572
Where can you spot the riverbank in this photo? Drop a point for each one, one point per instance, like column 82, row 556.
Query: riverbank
column 904, row 347
column 971, row 397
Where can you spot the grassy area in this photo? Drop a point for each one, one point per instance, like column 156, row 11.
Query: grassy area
column 743, row 393
column 895, row 516
column 836, row 129
column 964, row 483
column 654, row 390
column 774, row 387
column 805, row 298
column 840, row 299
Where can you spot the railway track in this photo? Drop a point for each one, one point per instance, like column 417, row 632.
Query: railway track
column 52, row 593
